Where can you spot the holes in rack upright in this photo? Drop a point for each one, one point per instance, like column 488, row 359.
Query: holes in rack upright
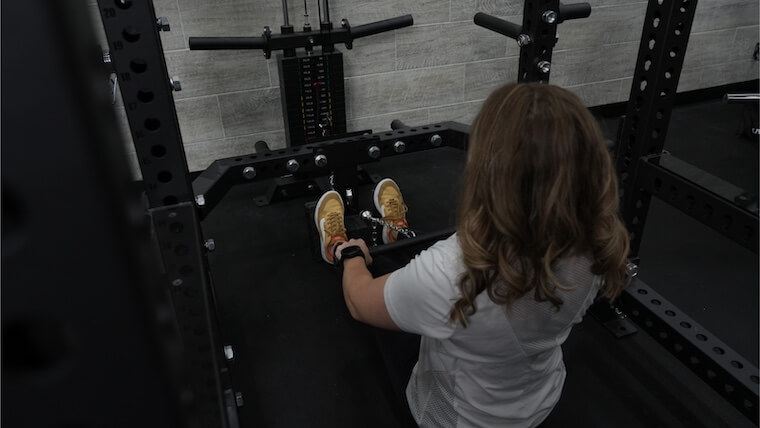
column 152, row 124
column 701, row 337
column 656, row 302
column 123, row 4
column 656, row 20
column 145, row 95
column 674, row 51
column 673, row 193
column 130, row 34
column 138, row 65
column 642, row 87
column 736, row 364
column 647, row 64
column 164, row 176
column 670, row 313
column 679, row 29
column 718, row 350
column 684, row 5
column 652, row 41
column 158, row 151
column 685, row 324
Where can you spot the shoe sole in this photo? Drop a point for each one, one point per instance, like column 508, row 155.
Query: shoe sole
column 376, row 200
column 322, row 248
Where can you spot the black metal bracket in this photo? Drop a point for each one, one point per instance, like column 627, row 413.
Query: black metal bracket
column 713, row 361
column 321, row 159
column 537, row 35
column 708, row 199
column 667, row 25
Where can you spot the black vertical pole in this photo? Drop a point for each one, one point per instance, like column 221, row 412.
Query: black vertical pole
column 667, row 25
column 138, row 60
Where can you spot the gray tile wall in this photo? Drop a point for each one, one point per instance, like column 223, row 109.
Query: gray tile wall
column 442, row 68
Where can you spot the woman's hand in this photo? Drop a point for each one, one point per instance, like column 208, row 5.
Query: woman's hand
column 359, row 243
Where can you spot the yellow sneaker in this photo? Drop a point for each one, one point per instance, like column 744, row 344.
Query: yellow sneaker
column 328, row 217
column 390, row 204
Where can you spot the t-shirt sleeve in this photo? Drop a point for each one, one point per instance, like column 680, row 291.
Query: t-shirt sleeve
column 420, row 295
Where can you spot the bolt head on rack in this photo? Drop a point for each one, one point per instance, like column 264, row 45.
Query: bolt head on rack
column 550, row 17
column 210, row 245
column 399, row 146
column 320, row 160
column 523, row 40
column 436, row 140
column 373, row 152
column 292, row 165
column 175, row 84
column 249, row 173
column 544, row 66
column 162, row 23
column 200, row 200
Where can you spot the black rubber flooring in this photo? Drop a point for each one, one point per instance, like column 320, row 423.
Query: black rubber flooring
column 300, row 360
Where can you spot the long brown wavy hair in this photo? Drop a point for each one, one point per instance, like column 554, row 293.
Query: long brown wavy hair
column 539, row 184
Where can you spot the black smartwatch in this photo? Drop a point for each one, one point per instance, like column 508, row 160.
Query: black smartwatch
column 349, row 252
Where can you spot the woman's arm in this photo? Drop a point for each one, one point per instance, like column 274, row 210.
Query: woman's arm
column 364, row 294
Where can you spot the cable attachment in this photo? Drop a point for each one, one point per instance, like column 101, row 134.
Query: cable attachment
column 367, row 217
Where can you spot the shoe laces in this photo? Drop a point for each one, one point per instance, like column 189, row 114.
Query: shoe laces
column 334, row 224
column 394, row 210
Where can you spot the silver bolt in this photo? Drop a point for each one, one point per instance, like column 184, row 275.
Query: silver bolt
column 162, row 23
column 200, row 200
column 544, row 66
column 550, row 17
column 374, row 152
column 292, row 165
column 229, row 354
column 366, row 215
column 523, row 40
column 106, row 57
column 210, row 245
column 177, row 282
column 249, row 173
column 320, row 160
column 436, row 140
column 239, row 399
column 399, row 146
column 175, row 83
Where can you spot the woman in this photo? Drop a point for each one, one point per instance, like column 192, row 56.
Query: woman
column 538, row 238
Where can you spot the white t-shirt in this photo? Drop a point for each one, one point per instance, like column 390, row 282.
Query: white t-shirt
column 505, row 369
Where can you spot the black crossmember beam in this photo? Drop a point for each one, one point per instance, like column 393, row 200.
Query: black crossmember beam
column 213, row 183
column 713, row 361
column 705, row 198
